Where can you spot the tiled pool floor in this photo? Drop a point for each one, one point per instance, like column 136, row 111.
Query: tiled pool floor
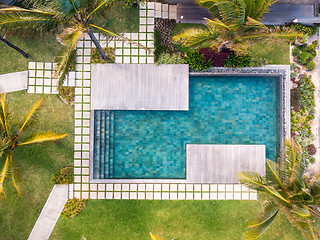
column 222, row 110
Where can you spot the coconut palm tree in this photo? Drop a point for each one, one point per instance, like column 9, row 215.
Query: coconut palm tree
column 72, row 18
column 235, row 25
column 287, row 190
column 12, row 137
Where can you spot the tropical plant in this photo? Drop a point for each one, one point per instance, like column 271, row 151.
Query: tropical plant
column 288, row 190
column 235, row 25
column 73, row 17
column 12, row 137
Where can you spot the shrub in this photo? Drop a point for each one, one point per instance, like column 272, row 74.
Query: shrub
column 196, row 61
column 238, row 61
column 167, row 58
column 67, row 94
column 293, row 74
column 307, row 30
column 314, row 44
column 293, row 66
column 296, row 51
column 73, row 207
column 295, row 99
column 63, row 176
column 216, row 59
column 304, row 57
column 311, row 149
column 312, row 51
column 258, row 61
column 312, row 159
column 109, row 51
column 311, row 65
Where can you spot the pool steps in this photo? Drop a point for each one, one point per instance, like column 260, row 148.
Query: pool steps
column 103, row 149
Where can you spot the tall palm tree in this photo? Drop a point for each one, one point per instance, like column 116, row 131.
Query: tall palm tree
column 288, row 190
column 235, row 25
column 73, row 18
column 12, row 137
column 19, row 50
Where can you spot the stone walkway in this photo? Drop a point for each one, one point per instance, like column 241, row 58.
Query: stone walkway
column 50, row 213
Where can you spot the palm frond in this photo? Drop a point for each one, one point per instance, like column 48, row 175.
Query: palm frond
column 31, row 113
column 104, row 2
column 70, row 37
column 273, row 174
column 308, row 231
column 257, row 8
column 252, row 180
column 3, row 173
column 194, row 37
column 258, row 226
column 4, row 114
column 15, row 18
column 154, row 237
column 16, row 177
column 43, row 137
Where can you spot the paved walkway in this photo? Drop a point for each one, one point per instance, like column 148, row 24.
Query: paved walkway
column 11, row 82
column 50, row 213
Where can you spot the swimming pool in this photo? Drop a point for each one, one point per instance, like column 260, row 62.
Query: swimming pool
column 222, row 110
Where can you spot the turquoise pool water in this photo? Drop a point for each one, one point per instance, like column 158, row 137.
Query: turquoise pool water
column 222, row 110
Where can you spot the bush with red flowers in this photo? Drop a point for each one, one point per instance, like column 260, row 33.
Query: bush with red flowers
column 216, row 59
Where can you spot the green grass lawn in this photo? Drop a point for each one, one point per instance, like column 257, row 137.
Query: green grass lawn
column 40, row 49
column 182, row 26
column 38, row 163
column 118, row 18
column 180, row 220
column 276, row 53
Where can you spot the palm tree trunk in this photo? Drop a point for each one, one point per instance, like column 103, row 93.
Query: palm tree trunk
column 26, row 55
column 96, row 42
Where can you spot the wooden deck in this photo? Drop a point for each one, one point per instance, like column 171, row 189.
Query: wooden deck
column 139, row 87
column 221, row 163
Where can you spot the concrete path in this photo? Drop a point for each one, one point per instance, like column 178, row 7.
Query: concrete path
column 11, row 82
column 280, row 14
column 50, row 213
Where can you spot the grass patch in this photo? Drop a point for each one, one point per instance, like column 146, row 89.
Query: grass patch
column 183, row 220
column 275, row 53
column 40, row 49
column 38, row 163
column 118, row 19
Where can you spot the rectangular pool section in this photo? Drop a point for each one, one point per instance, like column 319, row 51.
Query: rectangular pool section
column 152, row 144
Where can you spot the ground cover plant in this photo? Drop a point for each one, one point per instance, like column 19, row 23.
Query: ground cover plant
column 63, row 176
column 109, row 51
column 73, row 207
column 302, row 114
column 305, row 54
column 19, row 214
column 183, row 220
column 287, row 189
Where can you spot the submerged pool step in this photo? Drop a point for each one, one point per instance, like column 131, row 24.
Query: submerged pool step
column 96, row 152
column 103, row 144
column 111, row 144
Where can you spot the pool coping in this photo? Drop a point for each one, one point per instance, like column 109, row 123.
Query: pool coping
column 281, row 71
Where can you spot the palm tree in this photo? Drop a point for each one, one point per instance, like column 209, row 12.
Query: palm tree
column 10, row 139
column 72, row 17
column 235, row 25
column 288, row 190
